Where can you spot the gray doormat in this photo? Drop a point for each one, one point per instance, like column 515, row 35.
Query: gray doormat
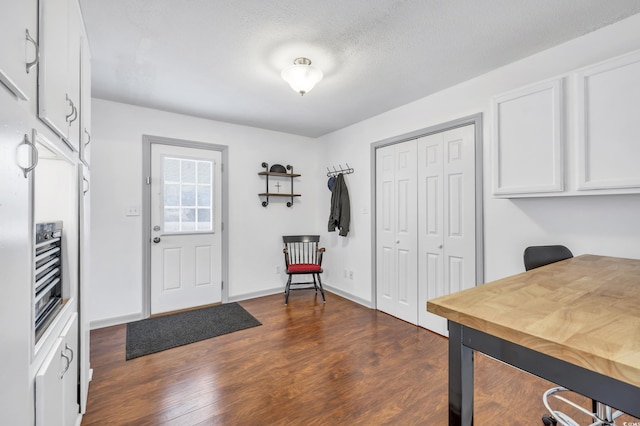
column 157, row 334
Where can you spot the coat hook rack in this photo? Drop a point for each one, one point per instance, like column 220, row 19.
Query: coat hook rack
column 336, row 172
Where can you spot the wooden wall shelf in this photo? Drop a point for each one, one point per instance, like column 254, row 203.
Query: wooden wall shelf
column 268, row 194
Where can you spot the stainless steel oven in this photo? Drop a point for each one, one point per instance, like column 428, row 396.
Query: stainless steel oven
column 47, row 275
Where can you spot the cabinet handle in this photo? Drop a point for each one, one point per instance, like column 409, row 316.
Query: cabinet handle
column 34, row 155
column 68, row 348
column 32, row 64
column 73, row 109
column 75, row 117
column 89, row 136
column 66, row 368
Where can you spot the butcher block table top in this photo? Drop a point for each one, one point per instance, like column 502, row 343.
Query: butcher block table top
column 584, row 310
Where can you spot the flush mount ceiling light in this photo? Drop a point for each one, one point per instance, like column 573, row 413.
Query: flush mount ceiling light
column 301, row 76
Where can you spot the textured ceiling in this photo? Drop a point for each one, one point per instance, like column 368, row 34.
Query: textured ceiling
column 221, row 59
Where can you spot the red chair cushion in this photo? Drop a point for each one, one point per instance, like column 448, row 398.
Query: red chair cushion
column 304, row 267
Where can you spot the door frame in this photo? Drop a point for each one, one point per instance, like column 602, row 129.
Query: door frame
column 147, row 141
column 475, row 119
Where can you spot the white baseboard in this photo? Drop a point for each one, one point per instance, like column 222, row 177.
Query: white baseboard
column 256, row 294
column 348, row 296
column 108, row 322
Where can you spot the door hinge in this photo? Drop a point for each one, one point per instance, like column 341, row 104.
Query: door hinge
column 222, row 226
column 223, row 285
column 148, row 180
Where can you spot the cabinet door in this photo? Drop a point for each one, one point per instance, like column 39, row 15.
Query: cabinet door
column 57, row 380
column 19, row 18
column 54, row 105
column 73, row 74
column 528, row 140
column 69, row 374
column 49, row 395
column 85, row 103
column 16, row 407
column 608, row 107
column 85, row 250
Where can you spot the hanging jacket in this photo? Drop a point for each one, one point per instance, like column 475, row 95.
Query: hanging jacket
column 340, row 213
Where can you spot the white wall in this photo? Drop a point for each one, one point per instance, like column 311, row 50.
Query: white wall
column 255, row 243
column 605, row 225
column 591, row 224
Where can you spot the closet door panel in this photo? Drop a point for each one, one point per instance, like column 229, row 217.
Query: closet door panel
column 396, row 231
column 448, row 254
column 385, row 202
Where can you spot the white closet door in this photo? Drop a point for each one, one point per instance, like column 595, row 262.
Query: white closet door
column 396, row 230
column 446, row 218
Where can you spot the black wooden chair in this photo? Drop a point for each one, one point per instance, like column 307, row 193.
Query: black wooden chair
column 601, row 414
column 303, row 256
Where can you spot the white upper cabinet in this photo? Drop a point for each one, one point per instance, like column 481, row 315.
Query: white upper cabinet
column 59, row 76
column 608, row 124
column 75, row 40
column 19, row 49
column 600, row 121
column 53, row 106
column 85, row 103
column 529, row 140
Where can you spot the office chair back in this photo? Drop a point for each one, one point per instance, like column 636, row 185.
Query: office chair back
column 537, row 256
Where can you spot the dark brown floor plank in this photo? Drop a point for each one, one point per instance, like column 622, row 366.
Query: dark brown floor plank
column 309, row 363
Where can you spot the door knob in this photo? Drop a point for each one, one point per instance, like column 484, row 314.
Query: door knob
column 440, row 246
column 156, row 240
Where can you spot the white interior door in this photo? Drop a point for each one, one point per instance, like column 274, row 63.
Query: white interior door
column 446, row 221
column 186, row 242
column 396, row 231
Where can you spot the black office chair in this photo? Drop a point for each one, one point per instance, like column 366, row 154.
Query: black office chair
column 303, row 256
column 601, row 415
column 537, row 256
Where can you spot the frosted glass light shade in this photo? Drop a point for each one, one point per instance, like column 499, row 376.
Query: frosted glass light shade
column 301, row 76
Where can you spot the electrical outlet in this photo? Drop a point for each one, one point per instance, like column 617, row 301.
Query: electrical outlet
column 346, row 273
column 133, row 211
column 350, row 275
column 278, row 270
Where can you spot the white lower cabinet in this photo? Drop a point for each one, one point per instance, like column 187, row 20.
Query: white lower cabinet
column 57, row 380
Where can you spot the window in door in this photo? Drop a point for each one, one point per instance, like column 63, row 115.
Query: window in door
column 187, row 188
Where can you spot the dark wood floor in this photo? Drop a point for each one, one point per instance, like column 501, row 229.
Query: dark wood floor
column 308, row 364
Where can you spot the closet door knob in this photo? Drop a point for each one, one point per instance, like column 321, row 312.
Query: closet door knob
column 156, row 240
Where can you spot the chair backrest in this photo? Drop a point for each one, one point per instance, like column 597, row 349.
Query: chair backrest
column 302, row 249
column 537, row 256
